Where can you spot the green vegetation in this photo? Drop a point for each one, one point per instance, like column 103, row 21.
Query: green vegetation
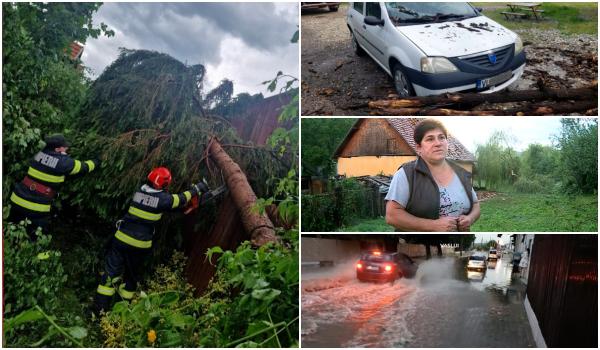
column 516, row 212
column 568, row 17
column 367, row 225
column 347, row 201
column 41, row 87
column 571, row 166
column 252, row 299
column 320, row 138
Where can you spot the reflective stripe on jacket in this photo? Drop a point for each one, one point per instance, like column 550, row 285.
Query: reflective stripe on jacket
column 48, row 168
column 146, row 209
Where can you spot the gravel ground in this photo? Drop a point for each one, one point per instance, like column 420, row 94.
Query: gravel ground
column 335, row 81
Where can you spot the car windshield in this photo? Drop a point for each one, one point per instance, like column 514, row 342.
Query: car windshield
column 376, row 258
column 492, row 252
column 477, row 257
column 410, row 13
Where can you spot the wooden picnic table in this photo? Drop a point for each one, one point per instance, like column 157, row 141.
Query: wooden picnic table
column 533, row 7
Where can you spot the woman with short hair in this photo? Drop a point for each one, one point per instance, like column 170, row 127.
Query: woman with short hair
column 431, row 193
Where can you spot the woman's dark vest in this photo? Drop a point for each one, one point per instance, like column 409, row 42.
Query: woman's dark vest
column 424, row 193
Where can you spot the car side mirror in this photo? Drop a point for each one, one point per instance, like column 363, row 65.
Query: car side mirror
column 373, row 21
column 479, row 9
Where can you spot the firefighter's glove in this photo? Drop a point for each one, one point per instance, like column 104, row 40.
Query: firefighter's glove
column 206, row 196
column 201, row 187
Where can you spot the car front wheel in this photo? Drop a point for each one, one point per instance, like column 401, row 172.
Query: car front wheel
column 355, row 47
column 402, row 83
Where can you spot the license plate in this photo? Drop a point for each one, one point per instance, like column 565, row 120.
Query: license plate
column 375, row 268
column 495, row 80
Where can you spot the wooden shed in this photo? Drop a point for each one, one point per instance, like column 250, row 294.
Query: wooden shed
column 379, row 146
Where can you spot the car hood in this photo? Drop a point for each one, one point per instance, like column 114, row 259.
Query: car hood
column 458, row 38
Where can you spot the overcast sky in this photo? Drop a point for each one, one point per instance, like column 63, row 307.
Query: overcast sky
column 471, row 131
column 244, row 42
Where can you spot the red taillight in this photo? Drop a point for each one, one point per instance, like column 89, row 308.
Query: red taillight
column 388, row 267
column 359, row 265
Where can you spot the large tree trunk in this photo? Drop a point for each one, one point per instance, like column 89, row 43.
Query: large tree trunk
column 258, row 226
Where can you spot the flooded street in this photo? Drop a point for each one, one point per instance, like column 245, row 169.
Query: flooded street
column 443, row 306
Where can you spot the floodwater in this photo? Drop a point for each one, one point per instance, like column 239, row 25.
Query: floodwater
column 443, row 306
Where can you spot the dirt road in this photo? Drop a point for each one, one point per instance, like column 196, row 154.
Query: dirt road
column 335, row 81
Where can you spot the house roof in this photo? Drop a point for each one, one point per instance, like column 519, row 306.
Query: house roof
column 76, row 50
column 405, row 127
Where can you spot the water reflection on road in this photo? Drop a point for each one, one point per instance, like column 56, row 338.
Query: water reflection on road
column 442, row 306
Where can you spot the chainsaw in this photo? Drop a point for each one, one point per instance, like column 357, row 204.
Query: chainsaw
column 203, row 198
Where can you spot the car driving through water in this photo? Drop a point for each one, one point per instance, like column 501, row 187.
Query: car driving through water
column 477, row 262
column 384, row 266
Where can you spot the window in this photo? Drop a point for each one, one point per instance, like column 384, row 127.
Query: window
column 359, row 6
column 373, row 9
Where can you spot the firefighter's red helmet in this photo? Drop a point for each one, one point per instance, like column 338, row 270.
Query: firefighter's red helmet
column 160, row 178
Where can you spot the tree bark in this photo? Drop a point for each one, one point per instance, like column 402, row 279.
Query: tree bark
column 473, row 99
column 552, row 108
column 258, row 226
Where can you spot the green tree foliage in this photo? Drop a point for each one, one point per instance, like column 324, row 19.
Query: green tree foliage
column 540, row 160
column 42, row 89
column 320, row 138
column 578, row 144
column 497, row 162
column 145, row 111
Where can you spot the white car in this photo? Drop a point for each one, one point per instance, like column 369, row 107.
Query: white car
column 430, row 48
column 493, row 255
column 477, row 262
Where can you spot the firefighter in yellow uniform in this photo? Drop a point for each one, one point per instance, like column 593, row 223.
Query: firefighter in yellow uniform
column 32, row 198
column 133, row 239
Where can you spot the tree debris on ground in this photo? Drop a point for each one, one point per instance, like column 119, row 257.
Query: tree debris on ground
column 549, row 102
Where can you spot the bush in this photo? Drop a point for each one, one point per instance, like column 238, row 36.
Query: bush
column 535, row 184
column 263, row 309
column 33, row 277
column 253, row 296
column 348, row 201
column 33, row 274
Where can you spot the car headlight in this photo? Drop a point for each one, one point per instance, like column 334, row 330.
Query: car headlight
column 437, row 65
column 518, row 45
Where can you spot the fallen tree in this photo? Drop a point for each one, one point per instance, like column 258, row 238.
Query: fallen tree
column 259, row 226
column 456, row 104
column 147, row 110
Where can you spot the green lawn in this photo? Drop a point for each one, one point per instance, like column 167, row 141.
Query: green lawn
column 516, row 212
column 569, row 18
column 368, row 225
column 538, row 213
